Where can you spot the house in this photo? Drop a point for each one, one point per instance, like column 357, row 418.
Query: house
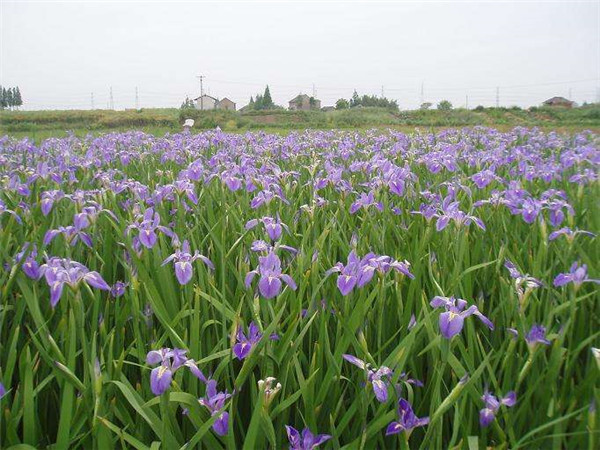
column 205, row 102
column 304, row 102
column 559, row 101
column 226, row 104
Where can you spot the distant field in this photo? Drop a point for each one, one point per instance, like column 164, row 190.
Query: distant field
column 43, row 124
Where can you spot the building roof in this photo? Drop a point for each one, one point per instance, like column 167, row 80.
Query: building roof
column 206, row 96
column 299, row 98
column 225, row 98
column 558, row 100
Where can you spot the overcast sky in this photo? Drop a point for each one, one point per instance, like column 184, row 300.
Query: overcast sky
column 59, row 53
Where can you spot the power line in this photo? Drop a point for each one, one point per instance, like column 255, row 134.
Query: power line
column 201, row 77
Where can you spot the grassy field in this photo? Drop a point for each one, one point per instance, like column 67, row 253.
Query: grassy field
column 43, row 124
column 209, row 290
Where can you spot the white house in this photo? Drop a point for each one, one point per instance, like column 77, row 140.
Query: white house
column 205, row 102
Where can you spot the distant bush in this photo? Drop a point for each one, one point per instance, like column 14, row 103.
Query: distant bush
column 479, row 108
column 370, row 101
column 342, row 103
column 425, row 106
column 444, row 105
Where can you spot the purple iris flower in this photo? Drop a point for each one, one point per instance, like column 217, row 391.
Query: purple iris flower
column 5, row 210
column 407, row 420
column 359, row 271
column 365, row 201
column 72, row 233
column 412, row 322
column 186, row 187
column 383, row 264
column 215, row 401
column 556, row 216
column 31, row 268
column 59, row 272
column 269, row 269
column 523, row 282
column 305, row 441
column 118, row 289
column 450, row 210
column 537, row 335
column 245, row 343
column 426, row 210
column 483, row 178
column 147, row 227
column 48, row 199
column 168, row 362
column 265, row 197
column 2, row 390
column 569, row 234
column 183, row 259
column 356, row 273
column 492, row 405
column 273, row 227
column 452, row 320
column 261, row 246
column 577, row 275
column 379, row 378
column 530, row 210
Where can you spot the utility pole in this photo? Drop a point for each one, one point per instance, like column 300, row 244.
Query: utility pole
column 314, row 91
column 422, row 93
column 201, row 77
column 467, row 101
column 382, row 94
column 92, row 100
column 136, row 98
column 497, row 97
column 111, row 102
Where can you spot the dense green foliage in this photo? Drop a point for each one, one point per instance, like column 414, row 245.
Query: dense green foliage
column 444, row 105
column 77, row 375
column 10, row 98
column 261, row 102
column 366, row 101
column 159, row 121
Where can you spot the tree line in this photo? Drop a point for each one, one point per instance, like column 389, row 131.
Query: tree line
column 10, row 97
column 366, row 101
column 260, row 102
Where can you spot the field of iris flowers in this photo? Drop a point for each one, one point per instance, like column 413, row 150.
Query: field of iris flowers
column 320, row 289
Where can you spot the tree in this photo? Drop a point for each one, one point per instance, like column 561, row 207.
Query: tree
column 258, row 102
column 18, row 98
column 425, row 106
column 187, row 104
column 2, row 99
column 9, row 98
column 342, row 103
column 267, row 101
column 444, row 105
column 355, row 100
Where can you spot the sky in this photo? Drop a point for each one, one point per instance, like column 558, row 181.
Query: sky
column 61, row 54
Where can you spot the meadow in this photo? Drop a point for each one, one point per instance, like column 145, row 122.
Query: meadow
column 40, row 125
column 333, row 289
